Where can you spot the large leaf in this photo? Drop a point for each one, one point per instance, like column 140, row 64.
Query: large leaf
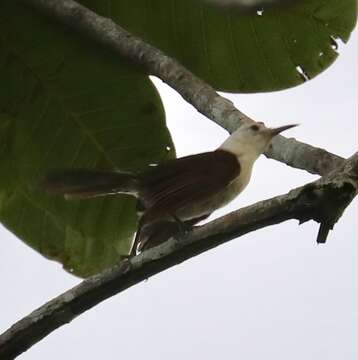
column 65, row 103
column 243, row 51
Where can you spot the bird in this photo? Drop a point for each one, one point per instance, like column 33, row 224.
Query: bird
column 176, row 194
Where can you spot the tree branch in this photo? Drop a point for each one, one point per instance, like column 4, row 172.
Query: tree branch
column 202, row 96
column 323, row 201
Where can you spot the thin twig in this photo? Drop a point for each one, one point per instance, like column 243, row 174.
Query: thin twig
column 201, row 95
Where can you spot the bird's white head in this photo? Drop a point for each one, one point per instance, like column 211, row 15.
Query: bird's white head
column 251, row 140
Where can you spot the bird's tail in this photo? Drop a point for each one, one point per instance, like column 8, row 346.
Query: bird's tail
column 81, row 184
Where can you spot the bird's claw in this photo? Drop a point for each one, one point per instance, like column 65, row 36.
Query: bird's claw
column 183, row 227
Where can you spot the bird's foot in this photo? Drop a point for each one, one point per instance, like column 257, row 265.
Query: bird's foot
column 183, row 227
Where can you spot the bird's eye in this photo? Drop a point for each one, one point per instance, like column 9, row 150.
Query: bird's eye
column 254, row 127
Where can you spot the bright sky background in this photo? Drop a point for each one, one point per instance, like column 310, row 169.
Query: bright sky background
column 272, row 294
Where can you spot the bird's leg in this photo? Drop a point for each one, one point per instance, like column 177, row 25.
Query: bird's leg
column 133, row 251
column 186, row 226
column 137, row 238
column 183, row 226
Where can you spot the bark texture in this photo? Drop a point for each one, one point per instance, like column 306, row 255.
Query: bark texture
column 323, row 201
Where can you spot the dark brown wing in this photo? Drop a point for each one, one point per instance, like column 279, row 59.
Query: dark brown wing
column 172, row 185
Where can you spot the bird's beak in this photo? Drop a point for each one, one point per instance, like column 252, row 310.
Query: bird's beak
column 276, row 131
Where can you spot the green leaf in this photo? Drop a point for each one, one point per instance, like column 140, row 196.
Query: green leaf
column 243, row 51
column 66, row 103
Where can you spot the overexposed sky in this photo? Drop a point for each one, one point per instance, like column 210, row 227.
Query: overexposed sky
column 272, row 294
